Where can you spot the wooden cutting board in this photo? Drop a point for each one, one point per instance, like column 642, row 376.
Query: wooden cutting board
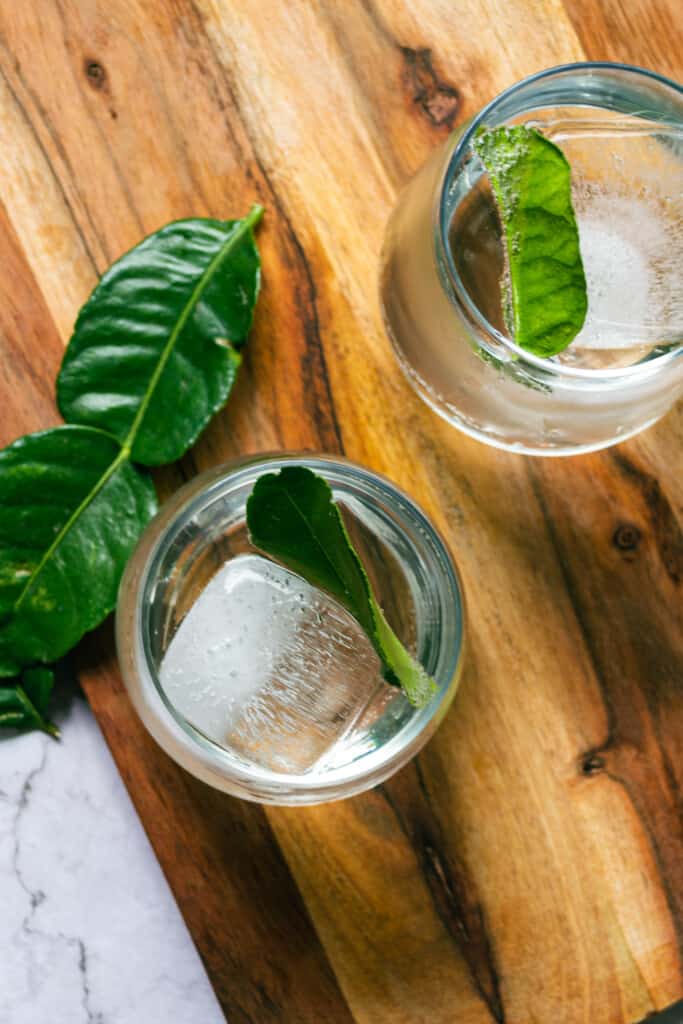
column 528, row 867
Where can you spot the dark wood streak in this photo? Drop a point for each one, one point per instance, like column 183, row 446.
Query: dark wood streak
column 313, row 362
column 666, row 529
column 588, row 761
column 450, row 884
column 626, row 756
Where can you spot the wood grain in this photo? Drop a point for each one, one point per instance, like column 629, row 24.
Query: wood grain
column 250, row 923
column 639, row 32
column 529, row 865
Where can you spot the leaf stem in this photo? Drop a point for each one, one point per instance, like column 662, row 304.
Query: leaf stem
column 254, row 215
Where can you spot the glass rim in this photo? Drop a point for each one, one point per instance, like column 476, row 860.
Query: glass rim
column 460, row 292
column 264, row 785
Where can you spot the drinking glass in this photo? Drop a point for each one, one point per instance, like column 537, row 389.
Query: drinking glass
column 343, row 728
column 621, row 128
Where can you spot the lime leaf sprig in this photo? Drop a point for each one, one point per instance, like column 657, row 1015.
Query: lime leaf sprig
column 292, row 516
column 545, row 294
column 154, row 354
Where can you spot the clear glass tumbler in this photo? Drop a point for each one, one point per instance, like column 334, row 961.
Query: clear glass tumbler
column 622, row 130
column 313, row 727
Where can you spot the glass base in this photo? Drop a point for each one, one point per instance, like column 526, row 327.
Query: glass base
column 455, row 419
column 261, row 696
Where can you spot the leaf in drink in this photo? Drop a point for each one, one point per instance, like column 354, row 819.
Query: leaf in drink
column 292, row 516
column 545, row 294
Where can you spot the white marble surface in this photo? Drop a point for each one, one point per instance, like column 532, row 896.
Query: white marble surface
column 89, row 930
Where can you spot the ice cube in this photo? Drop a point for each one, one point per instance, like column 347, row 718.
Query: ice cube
column 632, row 258
column 626, row 175
column 269, row 667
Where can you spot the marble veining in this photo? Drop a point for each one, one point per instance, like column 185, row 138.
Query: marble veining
column 89, row 930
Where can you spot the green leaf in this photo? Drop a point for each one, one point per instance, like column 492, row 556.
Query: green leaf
column 291, row 515
column 531, row 179
column 38, row 684
column 154, row 354
column 155, row 350
column 24, row 702
column 72, row 510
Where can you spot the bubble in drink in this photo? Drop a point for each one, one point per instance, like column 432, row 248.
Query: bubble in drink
column 269, row 667
column 630, row 229
column 632, row 255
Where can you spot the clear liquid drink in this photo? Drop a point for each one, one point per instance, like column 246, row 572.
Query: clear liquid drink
column 622, row 131
column 274, row 671
column 261, row 684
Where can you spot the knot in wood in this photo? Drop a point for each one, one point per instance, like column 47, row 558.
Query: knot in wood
column 626, row 537
column 437, row 99
column 591, row 764
column 95, row 74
